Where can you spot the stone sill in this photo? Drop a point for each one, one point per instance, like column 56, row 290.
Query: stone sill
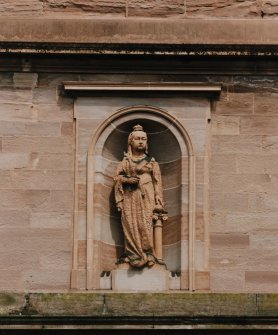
column 223, row 37
column 139, row 310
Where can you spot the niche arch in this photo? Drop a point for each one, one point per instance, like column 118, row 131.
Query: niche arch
column 175, row 153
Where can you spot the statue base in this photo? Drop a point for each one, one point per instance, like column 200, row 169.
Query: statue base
column 127, row 278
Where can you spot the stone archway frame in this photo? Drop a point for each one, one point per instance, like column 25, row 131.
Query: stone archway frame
column 186, row 146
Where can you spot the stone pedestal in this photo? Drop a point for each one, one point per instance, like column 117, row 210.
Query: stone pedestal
column 125, row 278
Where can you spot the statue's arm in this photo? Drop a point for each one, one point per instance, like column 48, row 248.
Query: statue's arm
column 157, row 182
column 123, row 178
column 119, row 192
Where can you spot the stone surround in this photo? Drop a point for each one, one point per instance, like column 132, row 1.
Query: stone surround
column 102, row 125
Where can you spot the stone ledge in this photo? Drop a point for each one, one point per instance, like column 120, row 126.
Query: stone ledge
column 140, row 304
column 138, row 310
column 106, row 36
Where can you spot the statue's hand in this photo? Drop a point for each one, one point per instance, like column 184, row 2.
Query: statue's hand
column 158, row 200
column 133, row 180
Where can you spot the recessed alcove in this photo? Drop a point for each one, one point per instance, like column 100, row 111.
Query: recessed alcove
column 164, row 146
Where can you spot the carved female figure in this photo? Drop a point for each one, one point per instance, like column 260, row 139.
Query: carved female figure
column 138, row 191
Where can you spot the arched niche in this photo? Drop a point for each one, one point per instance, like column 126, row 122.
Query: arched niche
column 170, row 144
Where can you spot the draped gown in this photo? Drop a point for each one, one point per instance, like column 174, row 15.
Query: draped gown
column 136, row 203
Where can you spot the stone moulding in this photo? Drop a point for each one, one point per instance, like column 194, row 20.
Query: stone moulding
column 75, row 87
column 105, row 128
column 232, row 37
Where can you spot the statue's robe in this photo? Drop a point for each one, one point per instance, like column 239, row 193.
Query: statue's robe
column 136, row 203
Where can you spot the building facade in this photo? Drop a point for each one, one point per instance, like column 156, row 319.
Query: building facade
column 75, row 75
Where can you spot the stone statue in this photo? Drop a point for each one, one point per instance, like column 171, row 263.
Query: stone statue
column 138, row 194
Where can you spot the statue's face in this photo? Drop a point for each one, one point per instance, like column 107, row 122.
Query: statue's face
column 139, row 141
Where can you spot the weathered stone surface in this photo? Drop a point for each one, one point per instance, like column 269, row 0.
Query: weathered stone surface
column 179, row 304
column 137, row 304
column 56, row 259
column 82, row 254
column 14, row 199
column 264, row 202
column 245, row 222
column 243, row 191
column 239, row 143
column 50, row 279
column 240, row 183
column 82, row 197
column 11, row 96
column 269, row 8
column 222, row 8
column 60, row 200
column 259, row 125
column 260, row 240
column 25, row 80
column 153, row 8
column 14, row 218
column 82, row 6
column 14, row 160
column 243, row 260
column 153, row 279
column 267, row 304
column 229, row 240
column 266, row 103
column 255, row 163
column 37, row 144
column 41, row 180
column 227, row 280
column 261, row 281
column 50, row 220
column 270, row 144
column 235, row 104
column 44, row 129
column 50, row 161
column 67, row 304
column 225, row 125
column 149, row 31
column 161, row 8
column 17, row 263
column 67, row 128
column 55, row 112
column 223, row 162
column 18, row 7
column 15, row 111
column 38, row 200
column 11, row 302
column 203, row 280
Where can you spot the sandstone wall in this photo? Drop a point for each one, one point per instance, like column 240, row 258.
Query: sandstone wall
column 142, row 8
column 37, row 181
column 243, row 186
column 36, row 168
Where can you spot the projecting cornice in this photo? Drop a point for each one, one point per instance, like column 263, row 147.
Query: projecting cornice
column 233, row 37
column 76, row 87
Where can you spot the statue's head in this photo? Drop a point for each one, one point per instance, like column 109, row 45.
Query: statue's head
column 137, row 139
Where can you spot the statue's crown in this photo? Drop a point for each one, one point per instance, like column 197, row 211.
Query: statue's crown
column 138, row 127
